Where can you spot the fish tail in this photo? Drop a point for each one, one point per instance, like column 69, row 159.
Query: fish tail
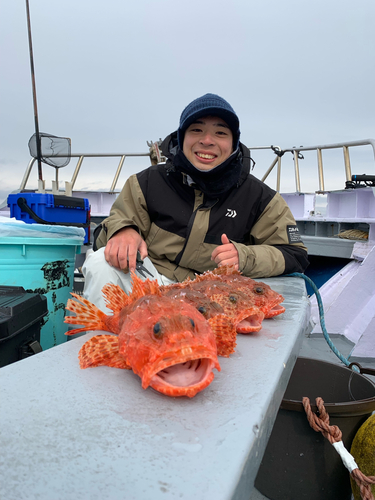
column 86, row 314
column 101, row 350
column 225, row 332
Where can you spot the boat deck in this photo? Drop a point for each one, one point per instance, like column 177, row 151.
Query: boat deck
column 97, row 434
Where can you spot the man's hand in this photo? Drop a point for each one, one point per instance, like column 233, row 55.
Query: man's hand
column 121, row 249
column 226, row 254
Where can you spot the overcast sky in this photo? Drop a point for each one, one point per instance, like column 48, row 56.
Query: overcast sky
column 114, row 74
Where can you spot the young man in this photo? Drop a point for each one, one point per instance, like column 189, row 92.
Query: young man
column 200, row 210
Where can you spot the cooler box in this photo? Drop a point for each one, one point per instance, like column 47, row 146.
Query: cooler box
column 43, row 208
column 21, row 316
column 41, row 259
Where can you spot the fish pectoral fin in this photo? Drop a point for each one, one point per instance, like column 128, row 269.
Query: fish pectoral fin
column 86, row 314
column 225, row 332
column 101, row 350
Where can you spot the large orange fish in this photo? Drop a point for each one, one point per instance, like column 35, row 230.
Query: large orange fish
column 262, row 295
column 165, row 341
column 245, row 301
column 234, row 304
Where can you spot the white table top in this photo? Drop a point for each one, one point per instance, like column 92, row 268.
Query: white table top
column 95, row 434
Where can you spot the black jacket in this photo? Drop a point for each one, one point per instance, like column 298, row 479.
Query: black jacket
column 182, row 217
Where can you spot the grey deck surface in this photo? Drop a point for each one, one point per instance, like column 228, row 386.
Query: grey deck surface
column 69, row 434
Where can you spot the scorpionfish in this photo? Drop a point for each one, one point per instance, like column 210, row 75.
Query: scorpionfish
column 165, row 341
column 262, row 295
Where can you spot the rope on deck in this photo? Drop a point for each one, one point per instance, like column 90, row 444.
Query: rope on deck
column 353, row 234
column 320, row 423
column 322, row 320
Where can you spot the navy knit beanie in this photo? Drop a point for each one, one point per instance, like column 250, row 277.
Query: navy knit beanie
column 209, row 105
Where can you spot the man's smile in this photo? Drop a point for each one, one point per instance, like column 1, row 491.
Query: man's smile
column 206, row 156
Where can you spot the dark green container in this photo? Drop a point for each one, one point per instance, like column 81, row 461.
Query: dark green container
column 300, row 463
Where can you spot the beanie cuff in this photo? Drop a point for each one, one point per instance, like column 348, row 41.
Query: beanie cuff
column 209, row 105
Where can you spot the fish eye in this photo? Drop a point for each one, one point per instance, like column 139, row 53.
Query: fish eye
column 192, row 322
column 259, row 290
column 202, row 310
column 233, row 299
column 157, row 330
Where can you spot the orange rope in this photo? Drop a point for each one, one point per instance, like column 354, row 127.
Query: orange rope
column 320, row 423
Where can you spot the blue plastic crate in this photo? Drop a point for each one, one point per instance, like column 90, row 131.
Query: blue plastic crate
column 43, row 208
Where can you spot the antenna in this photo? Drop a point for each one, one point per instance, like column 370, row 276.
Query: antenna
column 38, row 146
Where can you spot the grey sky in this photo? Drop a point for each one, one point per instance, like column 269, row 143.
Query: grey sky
column 113, row 74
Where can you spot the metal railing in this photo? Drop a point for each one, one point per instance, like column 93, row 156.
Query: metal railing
column 155, row 157
column 297, row 156
column 77, row 169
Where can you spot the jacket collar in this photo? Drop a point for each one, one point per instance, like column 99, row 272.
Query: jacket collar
column 215, row 182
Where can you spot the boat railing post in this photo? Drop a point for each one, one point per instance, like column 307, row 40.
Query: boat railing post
column 27, row 174
column 269, row 169
column 320, row 169
column 296, row 171
column 76, row 171
column 348, row 171
column 55, row 183
column 117, row 174
column 278, row 179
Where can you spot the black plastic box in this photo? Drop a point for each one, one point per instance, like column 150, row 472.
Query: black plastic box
column 21, row 315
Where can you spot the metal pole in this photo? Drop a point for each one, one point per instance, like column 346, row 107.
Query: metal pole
column 320, row 170
column 278, row 174
column 38, row 148
column 270, row 169
column 117, row 174
column 296, row 171
column 348, row 171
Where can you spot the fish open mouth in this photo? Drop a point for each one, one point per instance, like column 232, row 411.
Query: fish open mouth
column 275, row 311
column 251, row 324
column 185, row 378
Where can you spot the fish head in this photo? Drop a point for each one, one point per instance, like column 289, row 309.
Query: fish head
column 203, row 303
column 263, row 296
column 170, row 345
column 245, row 314
column 267, row 299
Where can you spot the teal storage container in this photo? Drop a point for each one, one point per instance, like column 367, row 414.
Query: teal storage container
column 44, row 266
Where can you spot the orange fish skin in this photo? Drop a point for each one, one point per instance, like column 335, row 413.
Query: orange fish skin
column 240, row 307
column 266, row 299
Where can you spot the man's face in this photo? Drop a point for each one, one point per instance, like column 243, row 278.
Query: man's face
column 208, row 142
